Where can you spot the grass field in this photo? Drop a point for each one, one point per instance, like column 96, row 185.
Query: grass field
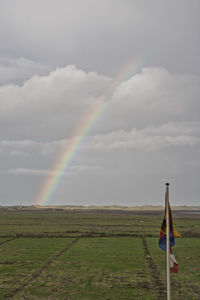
column 94, row 255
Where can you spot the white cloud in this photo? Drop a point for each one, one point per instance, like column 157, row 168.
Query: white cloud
column 50, row 106
column 55, row 106
column 155, row 96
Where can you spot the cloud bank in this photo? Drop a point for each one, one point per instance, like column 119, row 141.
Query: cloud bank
column 152, row 116
column 54, row 105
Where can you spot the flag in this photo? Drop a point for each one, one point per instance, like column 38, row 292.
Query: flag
column 172, row 234
column 173, row 263
column 172, row 231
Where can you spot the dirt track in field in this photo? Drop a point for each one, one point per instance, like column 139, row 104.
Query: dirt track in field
column 157, row 284
column 38, row 272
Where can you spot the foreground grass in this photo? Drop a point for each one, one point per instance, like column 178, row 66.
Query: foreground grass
column 21, row 258
column 97, row 268
column 84, row 256
column 186, row 283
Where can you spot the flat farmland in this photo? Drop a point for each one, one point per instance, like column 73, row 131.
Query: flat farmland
column 94, row 254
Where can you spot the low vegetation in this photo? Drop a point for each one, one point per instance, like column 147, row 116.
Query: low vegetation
column 99, row 254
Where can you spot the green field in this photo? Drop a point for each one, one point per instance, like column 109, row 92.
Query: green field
column 94, row 255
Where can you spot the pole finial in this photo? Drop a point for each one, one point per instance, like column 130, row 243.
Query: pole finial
column 167, row 183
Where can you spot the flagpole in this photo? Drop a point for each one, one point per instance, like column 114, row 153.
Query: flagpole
column 168, row 244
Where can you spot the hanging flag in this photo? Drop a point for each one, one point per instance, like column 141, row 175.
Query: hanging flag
column 173, row 263
column 172, row 231
column 172, row 234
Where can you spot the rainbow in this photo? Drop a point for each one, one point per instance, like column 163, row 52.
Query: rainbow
column 66, row 158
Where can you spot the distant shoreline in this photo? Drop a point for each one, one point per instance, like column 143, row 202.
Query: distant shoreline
column 178, row 211
column 98, row 207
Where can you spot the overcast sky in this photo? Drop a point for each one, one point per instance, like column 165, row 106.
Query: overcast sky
column 140, row 60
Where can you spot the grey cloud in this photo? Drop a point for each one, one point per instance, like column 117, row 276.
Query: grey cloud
column 18, row 70
column 150, row 138
column 20, row 148
column 146, row 139
column 33, row 148
column 148, row 113
column 72, row 170
column 103, row 35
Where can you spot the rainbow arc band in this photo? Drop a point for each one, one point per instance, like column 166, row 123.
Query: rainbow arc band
column 65, row 159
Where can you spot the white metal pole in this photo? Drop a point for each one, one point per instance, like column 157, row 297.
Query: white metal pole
column 168, row 244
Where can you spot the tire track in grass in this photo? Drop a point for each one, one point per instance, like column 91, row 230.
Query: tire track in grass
column 37, row 273
column 158, row 285
column 9, row 240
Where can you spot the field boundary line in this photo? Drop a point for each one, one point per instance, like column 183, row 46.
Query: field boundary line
column 37, row 273
column 81, row 235
column 87, row 234
column 158, row 285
